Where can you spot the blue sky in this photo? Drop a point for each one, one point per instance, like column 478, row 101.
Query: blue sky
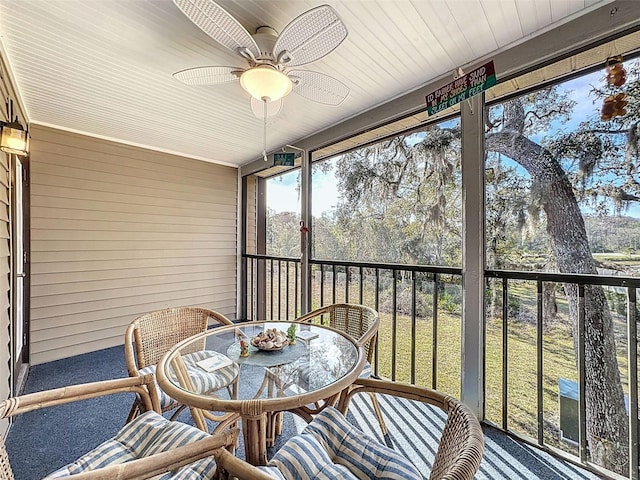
column 283, row 195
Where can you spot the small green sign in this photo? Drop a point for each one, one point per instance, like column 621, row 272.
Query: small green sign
column 283, row 159
column 462, row 88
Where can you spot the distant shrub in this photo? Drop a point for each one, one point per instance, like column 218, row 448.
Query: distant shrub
column 403, row 302
column 450, row 303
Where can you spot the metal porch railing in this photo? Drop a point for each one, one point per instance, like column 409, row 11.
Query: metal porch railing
column 419, row 337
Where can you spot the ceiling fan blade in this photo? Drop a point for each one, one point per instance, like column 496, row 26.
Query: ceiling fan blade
column 216, row 22
column 208, row 75
column 273, row 108
column 309, row 37
column 318, row 87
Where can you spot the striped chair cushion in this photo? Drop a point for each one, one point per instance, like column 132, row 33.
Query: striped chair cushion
column 330, row 447
column 146, row 435
column 202, row 381
column 366, row 371
column 273, row 471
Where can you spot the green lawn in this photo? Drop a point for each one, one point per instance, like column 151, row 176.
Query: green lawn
column 623, row 258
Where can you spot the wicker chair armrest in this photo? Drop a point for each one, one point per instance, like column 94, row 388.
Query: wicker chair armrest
column 164, row 462
column 397, row 389
column 222, row 319
column 129, row 354
column 232, row 467
column 308, row 317
column 368, row 339
column 35, row 401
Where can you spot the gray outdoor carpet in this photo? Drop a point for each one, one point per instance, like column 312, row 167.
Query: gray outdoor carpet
column 40, row 442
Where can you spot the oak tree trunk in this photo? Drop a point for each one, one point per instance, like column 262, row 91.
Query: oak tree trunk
column 607, row 424
column 549, row 305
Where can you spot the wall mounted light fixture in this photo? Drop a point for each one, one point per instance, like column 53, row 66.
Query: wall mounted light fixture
column 13, row 138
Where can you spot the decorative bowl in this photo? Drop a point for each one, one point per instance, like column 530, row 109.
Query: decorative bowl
column 272, row 349
column 270, row 340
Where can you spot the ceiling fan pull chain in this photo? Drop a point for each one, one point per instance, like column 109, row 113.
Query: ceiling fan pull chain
column 264, row 149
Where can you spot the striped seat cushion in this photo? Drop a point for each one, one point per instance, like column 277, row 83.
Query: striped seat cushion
column 366, row 371
column 202, row 381
column 147, row 435
column 273, row 471
column 330, row 447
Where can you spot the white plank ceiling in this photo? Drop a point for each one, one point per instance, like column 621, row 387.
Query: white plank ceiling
column 104, row 67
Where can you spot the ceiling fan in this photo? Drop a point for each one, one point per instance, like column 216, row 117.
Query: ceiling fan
column 272, row 59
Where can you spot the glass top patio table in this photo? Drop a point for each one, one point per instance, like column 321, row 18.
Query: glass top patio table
column 300, row 374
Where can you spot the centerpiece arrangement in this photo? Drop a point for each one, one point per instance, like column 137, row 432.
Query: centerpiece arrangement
column 270, row 339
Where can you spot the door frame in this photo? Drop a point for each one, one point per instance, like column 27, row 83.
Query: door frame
column 20, row 366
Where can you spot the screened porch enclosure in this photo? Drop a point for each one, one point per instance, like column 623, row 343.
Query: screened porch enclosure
column 496, row 240
column 488, row 287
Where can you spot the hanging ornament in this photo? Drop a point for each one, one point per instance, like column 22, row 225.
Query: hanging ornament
column 614, row 105
column 616, row 74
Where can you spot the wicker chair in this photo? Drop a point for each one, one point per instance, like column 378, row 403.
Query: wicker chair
column 147, row 447
column 151, row 335
column 361, row 322
column 330, row 438
column 462, row 442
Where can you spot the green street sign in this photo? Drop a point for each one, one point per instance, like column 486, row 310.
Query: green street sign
column 462, row 88
column 283, row 159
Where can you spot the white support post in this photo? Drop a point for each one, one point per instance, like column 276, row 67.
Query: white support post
column 305, row 210
column 473, row 255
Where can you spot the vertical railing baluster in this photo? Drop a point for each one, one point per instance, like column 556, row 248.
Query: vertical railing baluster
column 539, row 367
column 434, row 334
column 361, row 293
column 286, row 294
column 255, row 272
column 279, row 288
column 582, row 397
column 295, row 290
column 333, row 295
column 251, row 308
column 632, row 342
column 321, row 285
column 376, row 301
column 346, row 284
column 394, row 325
column 505, row 353
column 271, row 289
column 261, row 289
column 413, row 327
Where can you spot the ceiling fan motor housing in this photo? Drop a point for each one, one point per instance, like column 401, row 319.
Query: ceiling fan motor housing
column 265, row 38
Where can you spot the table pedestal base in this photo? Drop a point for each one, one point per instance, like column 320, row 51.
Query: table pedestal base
column 254, row 431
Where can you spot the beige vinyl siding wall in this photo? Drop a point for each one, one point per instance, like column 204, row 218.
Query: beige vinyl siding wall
column 117, row 231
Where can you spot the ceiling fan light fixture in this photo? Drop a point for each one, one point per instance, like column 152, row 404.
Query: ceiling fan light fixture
column 266, row 83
